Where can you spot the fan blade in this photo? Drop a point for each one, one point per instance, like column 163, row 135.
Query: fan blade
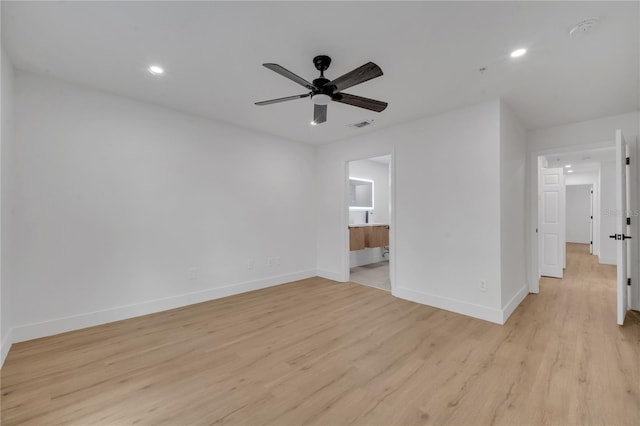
column 319, row 114
column 288, row 98
column 357, row 76
column 288, row 74
column 359, row 101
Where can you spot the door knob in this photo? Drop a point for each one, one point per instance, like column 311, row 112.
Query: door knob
column 620, row 237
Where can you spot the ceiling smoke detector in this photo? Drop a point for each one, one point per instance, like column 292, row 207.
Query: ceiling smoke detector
column 583, row 27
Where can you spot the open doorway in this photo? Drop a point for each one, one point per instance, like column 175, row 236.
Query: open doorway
column 574, row 190
column 369, row 211
column 586, row 201
column 579, row 214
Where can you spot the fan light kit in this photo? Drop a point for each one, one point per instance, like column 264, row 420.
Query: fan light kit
column 322, row 90
column 320, row 99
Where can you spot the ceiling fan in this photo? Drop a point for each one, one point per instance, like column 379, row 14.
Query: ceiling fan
column 322, row 90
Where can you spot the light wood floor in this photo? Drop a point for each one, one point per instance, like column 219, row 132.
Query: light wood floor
column 317, row 352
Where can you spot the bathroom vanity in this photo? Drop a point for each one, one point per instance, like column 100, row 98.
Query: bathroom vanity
column 368, row 235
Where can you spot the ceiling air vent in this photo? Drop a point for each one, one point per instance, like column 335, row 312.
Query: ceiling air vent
column 361, row 124
column 583, row 27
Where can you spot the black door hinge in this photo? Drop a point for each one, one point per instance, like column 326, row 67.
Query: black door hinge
column 628, row 221
column 628, row 160
column 628, row 281
column 591, row 217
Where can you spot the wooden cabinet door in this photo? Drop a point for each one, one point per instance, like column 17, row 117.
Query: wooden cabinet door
column 357, row 238
column 378, row 236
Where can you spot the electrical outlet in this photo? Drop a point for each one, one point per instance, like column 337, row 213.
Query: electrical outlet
column 483, row 286
column 270, row 261
column 276, row 261
column 251, row 263
column 193, row 274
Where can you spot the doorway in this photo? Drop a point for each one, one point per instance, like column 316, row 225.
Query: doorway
column 369, row 218
column 574, row 190
column 570, row 242
column 579, row 215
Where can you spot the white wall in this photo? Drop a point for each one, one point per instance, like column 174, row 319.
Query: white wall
column 585, row 132
column 593, row 179
column 124, row 208
column 608, row 208
column 571, row 179
column 6, row 202
column 578, row 214
column 512, row 210
column 379, row 174
column 568, row 137
column 445, row 232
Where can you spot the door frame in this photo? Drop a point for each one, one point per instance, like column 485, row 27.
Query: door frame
column 392, row 215
column 591, row 221
column 532, row 211
column 633, row 262
column 532, row 202
column 591, row 211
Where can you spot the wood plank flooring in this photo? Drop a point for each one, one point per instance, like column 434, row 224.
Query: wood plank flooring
column 319, row 352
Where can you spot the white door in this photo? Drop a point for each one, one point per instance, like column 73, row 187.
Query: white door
column 591, row 220
column 552, row 218
column 632, row 245
column 621, row 225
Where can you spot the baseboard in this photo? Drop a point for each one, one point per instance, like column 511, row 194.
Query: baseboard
column 607, row 261
column 6, row 345
column 330, row 275
column 90, row 319
column 453, row 305
column 511, row 306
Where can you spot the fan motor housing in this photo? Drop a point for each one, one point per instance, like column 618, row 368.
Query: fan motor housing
column 320, row 82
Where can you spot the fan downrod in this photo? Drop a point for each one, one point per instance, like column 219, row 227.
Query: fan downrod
column 322, row 62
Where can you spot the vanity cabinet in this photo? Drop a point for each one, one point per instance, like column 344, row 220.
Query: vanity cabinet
column 378, row 236
column 368, row 236
column 356, row 238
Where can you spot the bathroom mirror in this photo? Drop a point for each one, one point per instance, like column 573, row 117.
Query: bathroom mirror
column 360, row 194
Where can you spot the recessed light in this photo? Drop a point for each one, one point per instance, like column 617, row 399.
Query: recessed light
column 569, row 171
column 155, row 70
column 568, row 165
column 518, row 52
column 313, row 123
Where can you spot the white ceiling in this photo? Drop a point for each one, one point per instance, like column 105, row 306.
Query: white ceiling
column 582, row 161
column 430, row 53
